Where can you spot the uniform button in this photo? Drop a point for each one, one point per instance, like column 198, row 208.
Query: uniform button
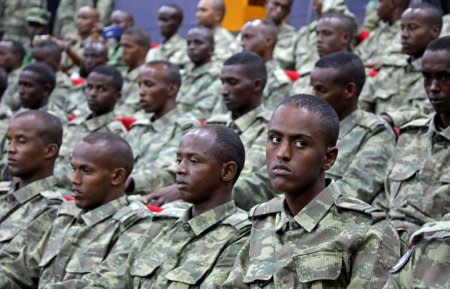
column 186, row 227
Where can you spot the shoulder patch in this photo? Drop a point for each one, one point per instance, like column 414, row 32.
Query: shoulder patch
column 354, row 204
column 141, row 121
column 125, row 213
column 53, row 195
column 68, row 209
column 273, row 206
column 222, row 119
column 421, row 122
column 372, row 122
column 5, row 186
column 238, row 220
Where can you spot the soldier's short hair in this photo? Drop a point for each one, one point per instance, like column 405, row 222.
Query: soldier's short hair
column 326, row 113
column 348, row 65
column 348, row 22
column 49, row 126
column 438, row 44
column 219, row 6
column 171, row 71
column 434, row 14
column 253, row 63
column 16, row 47
column 268, row 28
column 44, row 73
column 117, row 79
column 52, row 48
column 179, row 11
column 208, row 33
column 3, row 81
column 116, row 149
column 142, row 38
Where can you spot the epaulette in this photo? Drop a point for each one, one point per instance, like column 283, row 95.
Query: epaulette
column 53, row 195
column 417, row 123
column 219, row 119
column 354, row 204
column 76, row 121
column 270, row 207
column 434, row 230
column 5, row 187
column 238, row 220
column 173, row 210
column 265, row 114
column 372, row 122
column 185, row 123
column 127, row 213
column 68, row 209
column 141, row 121
column 281, row 76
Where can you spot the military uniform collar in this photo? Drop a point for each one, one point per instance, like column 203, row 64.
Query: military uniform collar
column 208, row 219
column 132, row 75
column 171, row 41
column 414, row 64
column 245, row 121
column 193, row 71
column 103, row 212
column 434, row 132
column 94, row 123
column 165, row 120
column 33, row 189
column 349, row 122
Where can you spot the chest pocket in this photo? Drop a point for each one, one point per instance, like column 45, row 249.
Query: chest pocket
column 401, row 173
column 318, row 266
column 258, row 280
column 145, row 266
column 86, row 261
column 9, row 231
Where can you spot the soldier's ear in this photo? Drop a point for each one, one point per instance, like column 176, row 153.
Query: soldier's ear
column 351, row 91
column 118, row 177
column 436, row 31
column 329, row 158
column 229, row 171
column 51, row 151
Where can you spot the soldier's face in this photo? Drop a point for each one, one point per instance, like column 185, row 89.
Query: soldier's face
column 44, row 56
column 93, row 56
column 121, row 20
column 416, row 32
column 384, row 9
column 132, row 52
column 32, row 91
column 436, row 75
column 199, row 48
column 34, row 29
column 296, row 151
column 331, row 36
column 8, row 59
column 92, row 176
column 153, row 89
column 205, row 14
column 252, row 39
column 27, row 152
column 86, row 20
column 278, row 10
column 198, row 173
column 168, row 21
column 101, row 95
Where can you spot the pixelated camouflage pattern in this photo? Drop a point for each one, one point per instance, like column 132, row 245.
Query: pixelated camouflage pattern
column 285, row 46
column 11, row 97
column 225, row 44
column 278, row 85
column 128, row 104
column 173, row 50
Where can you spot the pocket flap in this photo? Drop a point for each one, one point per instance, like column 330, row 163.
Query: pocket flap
column 84, row 263
column 191, row 274
column 9, row 230
column 145, row 267
column 402, row 173
column 318, row 266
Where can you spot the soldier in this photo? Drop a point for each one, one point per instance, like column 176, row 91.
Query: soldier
column 11, row 58
column 124, row 20
column 173, row 47
column 397, row 92
column 277, row 12
column 335, row 32
column 34, row 138
column 5, row 112
column 3, row 81
column 315, row 235
column 135, row 43
column 210, row 14
column 37, row 26
column 365, row 141
column 155, row 136
column 426, row 263
column 200, row 85
column 198, row 250
column 417, row 182
column 260, row 36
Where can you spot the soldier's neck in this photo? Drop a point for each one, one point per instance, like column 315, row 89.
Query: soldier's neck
column 297, row 200
column 218, row 198
column 24, row 181
column 443, row 120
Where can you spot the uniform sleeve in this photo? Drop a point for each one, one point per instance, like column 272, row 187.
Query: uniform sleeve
column 236, row 276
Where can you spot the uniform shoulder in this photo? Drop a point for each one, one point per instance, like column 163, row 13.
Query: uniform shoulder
column 239, row 220
column 416, row 124
column 280, row 75
column 371, row 121
column 350, row 203
column 53, row 195
column 141, row 121
column 270, row 207
column 433, row 230
column 133, row 211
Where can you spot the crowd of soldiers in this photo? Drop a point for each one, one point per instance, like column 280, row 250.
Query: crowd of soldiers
column 273, row 158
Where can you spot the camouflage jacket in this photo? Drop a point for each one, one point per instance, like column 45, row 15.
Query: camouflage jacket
column 278, row 85
column 173, row 50
column 285, row 46
column 59, row 96
column 426, row 264
column 418, row 179
column 336, row 241
column 365, row 146
column 78, row 242
column 11, row 97
column 195, row 252
column 129, row 102
column 225, row 44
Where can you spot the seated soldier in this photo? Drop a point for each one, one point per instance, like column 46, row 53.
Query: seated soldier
column 335, row 32
column 397, row 93
column 199, row 249
column 84, row 231
column 243, row 77
column 365, row 141
column 135, row 43
column 123, row 20
column 155, row 136
column 315, row 236
column 103, row 88
column 210, row 13
column 200, row 82
column 34, row 138
column 278, row 12
column 260, row 37
column 3, row 81
column 38, row 21
column 11, row 57
column 173, row 47
column 426, row 263
column 305, row 56
column 417, row 184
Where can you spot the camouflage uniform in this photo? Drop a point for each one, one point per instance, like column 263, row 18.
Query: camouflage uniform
column 285, row 46
column 427, row 263
column 173, row 50
column 250, row 190
column 31, row 208
column 225, row 44
column 78, row 241
column 59, row 96
column 398, row 92
column 418, row 180
column 76, row 101
column 177, row 258
column 278, row 85
column 365, row 146
column 335, row 241
column 129, row 102
column 303, row 84
column 11, row 95
column 13, row 18
column 445, row 31
column 199, row 91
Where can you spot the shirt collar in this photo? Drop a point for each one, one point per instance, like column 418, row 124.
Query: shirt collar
column 245, row 121
column 433, row 132
column 94, row 123
column 33, row 189
column 348, row 122
column 103, row 212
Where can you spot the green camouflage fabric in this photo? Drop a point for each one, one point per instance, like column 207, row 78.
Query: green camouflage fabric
column 427, row 263
column 31, row 208
column 305, row 42
column 278, row 85
column 418, row 180
column 11, row 95
column 250, row 189
column 13, row 16
column 59, row 96
column 371, row 20
column 77, row 243
column 285, row 46
column 74, row 132
column 195, row 252
column 303, row 84
column 199, row 91
column 154, row 144
column 67, row 64
column 365, row 146
column 173, row 50
column 128, row 105
column 336, row 241
column 225, row 44
column 115, row 57
column 398, row 92
column 76, row 101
